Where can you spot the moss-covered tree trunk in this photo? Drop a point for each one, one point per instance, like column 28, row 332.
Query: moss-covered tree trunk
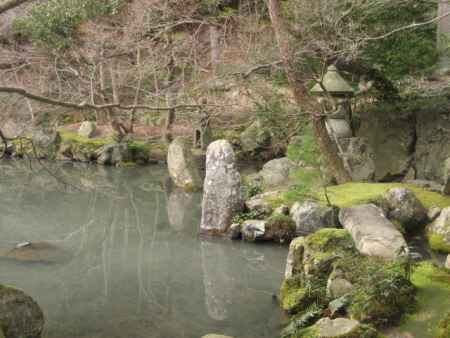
column 301, row 95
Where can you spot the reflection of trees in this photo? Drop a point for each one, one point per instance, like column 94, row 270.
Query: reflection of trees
column 133, row 274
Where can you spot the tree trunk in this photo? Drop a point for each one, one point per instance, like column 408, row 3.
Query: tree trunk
column 169, row 120
column 6, row 6
column 301, row 96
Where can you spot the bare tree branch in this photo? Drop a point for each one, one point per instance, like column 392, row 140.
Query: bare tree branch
column 411, row 26
column 85, row 105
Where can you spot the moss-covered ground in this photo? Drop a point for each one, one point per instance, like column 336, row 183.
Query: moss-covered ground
column 349, row 194
column 433, row 301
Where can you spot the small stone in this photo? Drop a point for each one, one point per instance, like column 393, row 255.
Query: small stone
column 339, row 327
column 234, row 232
column 258, row 204
column 254, row 230
column 338, row 287
column 87, row 129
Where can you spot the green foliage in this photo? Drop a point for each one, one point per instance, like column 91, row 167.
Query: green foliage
column 53, row 23
column 252, row 189
column 273, row 115
column 305, row 149
column 245, row 216
column 408, row 52
column 444, row 327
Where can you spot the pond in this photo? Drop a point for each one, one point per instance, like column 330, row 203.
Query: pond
column 137, row 267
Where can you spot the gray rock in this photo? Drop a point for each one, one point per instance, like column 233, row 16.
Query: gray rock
column 113, row 154
column 87, row 129
column 310, row 216
column 402, row 205
column 337, row 285
column 391, row 136
column 333, row 328
column 20, row 315
column 255, row 138
column 222, row 188
column 372, row 232
column 182, row 169
column 276, row 172
column 447, row 262
column 360, row 159
column 282, row 210
column 295, row 253
column 234, row 232
column 258, row 204
column 438, row 232
column 433, row 213
column 254, row 231
column 446, row 177
column 433, row 138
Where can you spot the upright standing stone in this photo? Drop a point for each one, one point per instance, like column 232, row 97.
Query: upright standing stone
column 87, row 129
column 222, row 188
column 182, row 169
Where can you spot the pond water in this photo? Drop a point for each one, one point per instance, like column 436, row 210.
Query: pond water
column 137, row 267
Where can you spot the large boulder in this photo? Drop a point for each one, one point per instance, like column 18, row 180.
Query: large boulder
column 87, row 129
column 20, row 315
column 433, row 138
column 113, row 154
column 402, row 205
column 342, row 328
column 438, row 232
column 373, row 233
column 276, row 172
column 391, row 136
column 311, row 216
column 256, row 140
column 254, row 230
column 360, row 158
column 446, row 177
column 222, row 196
column 182, row 169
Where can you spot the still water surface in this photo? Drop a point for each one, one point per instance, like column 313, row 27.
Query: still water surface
column 137, row 266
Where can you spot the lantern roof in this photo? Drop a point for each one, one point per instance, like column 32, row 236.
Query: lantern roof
column 334, row 84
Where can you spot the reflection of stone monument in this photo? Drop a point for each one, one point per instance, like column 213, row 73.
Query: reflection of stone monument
column 180, row 205
column 216, row 280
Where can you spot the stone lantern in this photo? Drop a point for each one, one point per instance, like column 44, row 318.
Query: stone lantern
column 334, row 88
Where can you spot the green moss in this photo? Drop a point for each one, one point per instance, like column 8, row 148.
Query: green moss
column 433, row 300
column 293, row 297
column 73, row 138
column 443, row 330
column 281, row 228
column 351, row 194
column 438, row 243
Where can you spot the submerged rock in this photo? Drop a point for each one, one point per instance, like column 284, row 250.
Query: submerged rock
column 20, row 315
column 222, row 188
column 36, row 252
column 373, row 233
column 311, row 216
column 182, row 169
column 402, row 205
column 438, row 232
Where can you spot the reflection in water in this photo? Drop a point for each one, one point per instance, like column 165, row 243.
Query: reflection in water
column 138, row 268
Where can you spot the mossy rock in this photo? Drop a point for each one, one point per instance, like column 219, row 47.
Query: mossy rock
column 280, row 228
column 293, row 297
column 443, row 330
column 20, row 315
column 438, row 232
column 337, row 328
